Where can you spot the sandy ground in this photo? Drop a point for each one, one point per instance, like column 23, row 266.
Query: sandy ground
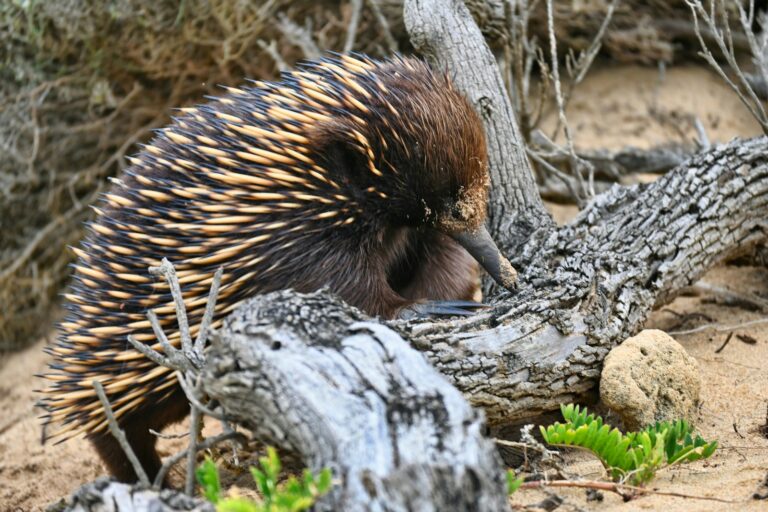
column 613, row 108
column 642, row 107
column 734, row 399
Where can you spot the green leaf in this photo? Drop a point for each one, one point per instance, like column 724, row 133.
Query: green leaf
column 604, row 438
column 592, row 432
column 645, row 442
column 208, row 477
column 293, row 486
column 544, row 434
column 274, row 461
column 618, row 456
column 634, row 455
column 261, row 481
column 568, row 411
column 513, row 482
column 238, row 505
column 324, row 481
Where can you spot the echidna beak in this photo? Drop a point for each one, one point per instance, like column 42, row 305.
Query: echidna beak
column 480, row 245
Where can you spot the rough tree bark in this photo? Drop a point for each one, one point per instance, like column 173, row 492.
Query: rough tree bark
column 315, row 376
column 104, row 495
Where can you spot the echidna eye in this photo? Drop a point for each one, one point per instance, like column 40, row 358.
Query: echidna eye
column 457, row 212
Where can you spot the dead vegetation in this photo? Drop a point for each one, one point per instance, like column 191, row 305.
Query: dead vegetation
column 83, row 82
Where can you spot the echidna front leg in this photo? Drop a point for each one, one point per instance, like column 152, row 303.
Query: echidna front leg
column 136, row 426
column 442, row 271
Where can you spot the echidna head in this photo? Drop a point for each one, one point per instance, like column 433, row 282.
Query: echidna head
column 415, row 150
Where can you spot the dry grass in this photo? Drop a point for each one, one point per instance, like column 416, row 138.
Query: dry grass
column 85, row 81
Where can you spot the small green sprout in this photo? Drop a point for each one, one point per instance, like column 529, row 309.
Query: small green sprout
column 513, row 482
column 294, row 495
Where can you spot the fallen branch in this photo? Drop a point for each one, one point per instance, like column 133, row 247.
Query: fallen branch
column 731, row 298
column 310, row 374
column 625, row 491
column 718, row 327
column 104, row 494
column 613, row 165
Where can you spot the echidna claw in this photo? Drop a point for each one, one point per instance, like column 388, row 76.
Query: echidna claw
column 440, row 308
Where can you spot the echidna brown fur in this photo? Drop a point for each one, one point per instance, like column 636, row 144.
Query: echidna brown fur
column 348, row 173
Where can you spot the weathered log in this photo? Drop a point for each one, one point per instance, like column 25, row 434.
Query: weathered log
column 592, row 283
column 103, row 495
column 631, row 160
column 310, row 374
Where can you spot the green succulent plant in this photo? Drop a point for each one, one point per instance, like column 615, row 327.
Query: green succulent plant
column 634, row 457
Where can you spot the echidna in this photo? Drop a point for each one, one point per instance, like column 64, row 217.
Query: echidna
column 363, row 176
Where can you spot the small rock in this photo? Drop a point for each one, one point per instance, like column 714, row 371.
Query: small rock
column 649, row 378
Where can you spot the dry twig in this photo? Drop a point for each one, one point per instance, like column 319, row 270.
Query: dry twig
column 733, row 298
column 271, row 50
column 119, row 435
column 623, row 490
column 384, row 24
column 187, row 361
column 577, row 67
column 298, row 35
column 718, row 327
column 717, row 22
column 354, row 22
